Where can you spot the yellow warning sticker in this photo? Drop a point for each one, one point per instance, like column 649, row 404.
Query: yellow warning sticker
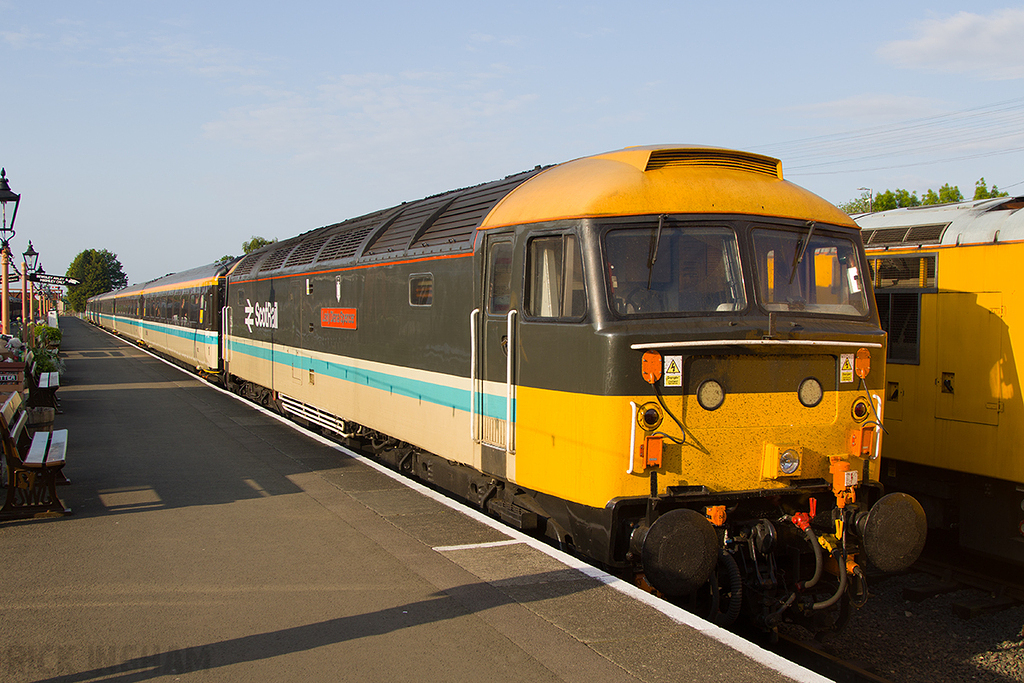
column 673, row 371
column 846, row 367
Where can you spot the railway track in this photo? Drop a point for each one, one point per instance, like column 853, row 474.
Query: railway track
column 955, row 570
column 811, row 656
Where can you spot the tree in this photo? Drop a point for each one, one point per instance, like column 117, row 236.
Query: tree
column 98, row 271
column 981, row 191
column 895, row 199
column 256, row 243
column 946, row 195
column 861, row 204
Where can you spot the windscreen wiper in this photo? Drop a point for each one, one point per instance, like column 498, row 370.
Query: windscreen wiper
column 653, row 256
column 801, row 249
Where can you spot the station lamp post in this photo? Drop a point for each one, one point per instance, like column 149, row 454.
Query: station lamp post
column 36, row 289
column 28, row 266
column 871, row 198
column 6, row 234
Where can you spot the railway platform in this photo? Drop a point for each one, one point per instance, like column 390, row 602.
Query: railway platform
column 214, row 542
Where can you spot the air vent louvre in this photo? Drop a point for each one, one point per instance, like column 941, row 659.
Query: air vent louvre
column 306, row 252
column 738, row 161
column 926, row 234
column 246, row 265
column 344, row 244
column 919, row 234
column 276, row 259
column 889, row 236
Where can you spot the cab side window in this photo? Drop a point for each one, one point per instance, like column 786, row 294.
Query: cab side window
column 554, row 278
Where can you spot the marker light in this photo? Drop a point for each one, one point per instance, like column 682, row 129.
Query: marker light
column 710, row 395
column 810, row 392
column 861, row 409
column 649, row 416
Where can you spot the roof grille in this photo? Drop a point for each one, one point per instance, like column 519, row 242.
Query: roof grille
column 918, row 234
column 276, row 259
column 245, row 265
column 306, row 252
column 344, row 244
column 737, row 161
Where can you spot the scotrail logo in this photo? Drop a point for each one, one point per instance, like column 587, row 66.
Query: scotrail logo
column 261, row 315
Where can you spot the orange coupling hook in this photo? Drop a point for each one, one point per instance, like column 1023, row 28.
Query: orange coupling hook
column 716, row 514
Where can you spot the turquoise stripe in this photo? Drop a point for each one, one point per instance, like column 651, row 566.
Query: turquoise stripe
column 429, row 392
column 437, row 394
column 201, row 336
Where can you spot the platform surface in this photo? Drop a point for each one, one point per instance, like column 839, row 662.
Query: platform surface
column 212, row 542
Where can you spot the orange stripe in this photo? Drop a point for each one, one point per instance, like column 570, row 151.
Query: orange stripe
column 367, row 265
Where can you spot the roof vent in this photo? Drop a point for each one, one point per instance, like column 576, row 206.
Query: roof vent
column 737, row 161
column 276, row 259
column 245, row 266
column 918, row 234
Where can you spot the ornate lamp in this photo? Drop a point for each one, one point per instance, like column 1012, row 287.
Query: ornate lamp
column 31, row 258
column 30, row 265
column 6, row 234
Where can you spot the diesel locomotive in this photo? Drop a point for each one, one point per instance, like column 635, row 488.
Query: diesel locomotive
column 947, row 285
column 667, row 359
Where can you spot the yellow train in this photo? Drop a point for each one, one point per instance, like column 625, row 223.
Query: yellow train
column 948, row 288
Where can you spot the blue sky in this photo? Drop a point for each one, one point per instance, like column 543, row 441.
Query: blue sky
column 169, row 133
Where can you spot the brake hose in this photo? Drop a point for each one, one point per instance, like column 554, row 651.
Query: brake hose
column 818, row 562
column 838, row 556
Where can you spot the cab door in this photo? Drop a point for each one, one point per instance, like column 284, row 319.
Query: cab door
column 494, row 381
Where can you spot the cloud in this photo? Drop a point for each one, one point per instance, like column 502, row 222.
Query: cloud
column 105, row 47
column 22, row 38
column 989, row 46
column 365, row 115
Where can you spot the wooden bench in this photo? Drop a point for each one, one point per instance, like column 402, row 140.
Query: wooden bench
column 33, row 465
column 42, row 390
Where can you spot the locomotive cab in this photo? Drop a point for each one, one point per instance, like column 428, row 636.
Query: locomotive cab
column 693, row 396
column 762, row 421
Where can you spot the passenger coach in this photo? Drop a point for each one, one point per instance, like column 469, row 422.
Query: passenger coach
column 178, row 314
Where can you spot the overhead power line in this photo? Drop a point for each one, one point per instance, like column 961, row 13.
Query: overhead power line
column 979, row 132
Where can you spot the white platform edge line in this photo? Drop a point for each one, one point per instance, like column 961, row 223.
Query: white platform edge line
column 475, row 546
column 677, row 614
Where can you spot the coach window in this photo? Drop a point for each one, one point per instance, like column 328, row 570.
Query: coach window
column 555, row 278
column 421, row 289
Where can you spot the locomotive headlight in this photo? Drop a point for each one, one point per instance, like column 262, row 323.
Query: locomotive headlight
column 710, row 395
column 810, row 392
column 789, row 461
column 780, row 460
